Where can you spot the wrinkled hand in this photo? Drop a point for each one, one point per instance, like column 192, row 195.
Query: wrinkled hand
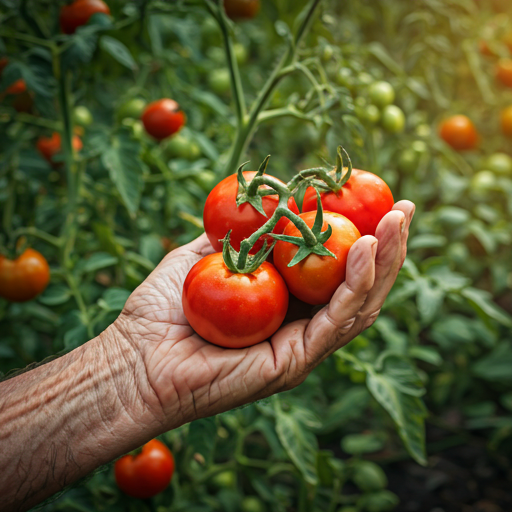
column 188, row 378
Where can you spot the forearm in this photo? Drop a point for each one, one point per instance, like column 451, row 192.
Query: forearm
column 62, row 420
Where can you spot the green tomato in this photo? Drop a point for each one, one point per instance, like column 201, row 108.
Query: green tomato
column 369, row 477
column 241, row 53
column 419, row 147
column 483, row 181
column 365, row 79
column 346, row 78
column 206, row 180
column 82, row 116
column 253, row 504
column 393, row 119
column 225, row 479
column 360, row 101
column 136, row 127
column 369, row 114
column 220, row 81
column 210, row 31
column 500, row 163
column 179, row 146
column 423, row 130
column 132, row 108
column 327, row 53
column 381, row 94
column 408, row 161
column 216, row 55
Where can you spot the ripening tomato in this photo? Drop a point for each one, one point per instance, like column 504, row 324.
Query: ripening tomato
column 221, row 214
column 234, row 310
column 78, row 13
column 17, row 87
column 163, row 118
column 246, row 9
column 315, row 279
column 146, row 474
column 364, row 200
column 51, row 146
column 504, row 72
column 506, row 121
column 459, row 132
column 484, row 48
column 25, row 277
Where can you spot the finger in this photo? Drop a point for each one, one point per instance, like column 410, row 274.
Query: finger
column 408, row 209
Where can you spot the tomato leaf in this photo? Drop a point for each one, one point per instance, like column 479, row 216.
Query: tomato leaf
column 119, row 51
column 201, row 438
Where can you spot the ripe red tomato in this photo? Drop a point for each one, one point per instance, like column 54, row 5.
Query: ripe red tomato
column 234, row 310
column 459, row 132
column 246, row 9
column 146, row 474
column 506, row 121
column 17, row 87
column 364, row 200
column 50, row 146
column 78, row 13
column 221, row 214
column 163, row 118
column 315, row 279
column 25, row 277
column 504, row 72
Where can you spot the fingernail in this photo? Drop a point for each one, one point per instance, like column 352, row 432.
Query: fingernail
column 374, row 249
column 402, row 225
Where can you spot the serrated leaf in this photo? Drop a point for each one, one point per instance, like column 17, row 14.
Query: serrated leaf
column 119, row 51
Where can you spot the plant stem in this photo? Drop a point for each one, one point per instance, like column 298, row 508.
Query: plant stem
column 32, row 231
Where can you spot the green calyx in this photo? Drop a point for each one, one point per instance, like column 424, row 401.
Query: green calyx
column 247, row 194
column 249, row 264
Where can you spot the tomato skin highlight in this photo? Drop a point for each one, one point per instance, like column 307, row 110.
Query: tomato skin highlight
column 147, row 473
column 51, row 146
column 78, row 13
column 234, row 310
column 221, row 214
column 25, row 277
column 364, row 200
column 315, row 279
column 242, row 9
column 459, row 132
column 163, row 118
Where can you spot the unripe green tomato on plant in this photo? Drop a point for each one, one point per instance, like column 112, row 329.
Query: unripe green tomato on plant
column 225, row 479
column 241, row 53
column 381, row 94
column 82, row 116
column 423, row 130
column 206, row 180
column 483, row 181
column 136, row 127
column 365, row 79
column 500, row 163
column 327, row 53
column 179, row 146
column 219, row 81
column 132, row 108
column 408, row 161
column 345, row 78
column 393, row 119
column 253, row 504
column 369, row 114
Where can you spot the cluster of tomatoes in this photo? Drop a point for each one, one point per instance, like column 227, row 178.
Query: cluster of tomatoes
column 236, row 308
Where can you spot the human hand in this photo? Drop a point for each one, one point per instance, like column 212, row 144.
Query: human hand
column 182, row 377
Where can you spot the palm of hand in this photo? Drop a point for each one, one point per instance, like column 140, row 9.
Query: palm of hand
column 190, row 378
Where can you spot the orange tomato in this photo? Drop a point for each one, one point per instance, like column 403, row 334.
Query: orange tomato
column 506, row 121
column 51, row 146
column 459, row 132
column 504, row 72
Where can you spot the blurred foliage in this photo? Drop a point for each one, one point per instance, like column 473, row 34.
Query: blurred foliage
column 443, row 342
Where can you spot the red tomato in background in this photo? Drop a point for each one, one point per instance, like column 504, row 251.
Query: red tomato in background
column 17, row 87
column 25, row 277
column 364, row 200
column 78, row 13
column 506, row 121
column 50, row 146
column 459, row 132
column 315, row 279
column 234, row 310
column 163, row 118
column 146, row 474
column 221, row 214
column 236, row 9
column 504, row 72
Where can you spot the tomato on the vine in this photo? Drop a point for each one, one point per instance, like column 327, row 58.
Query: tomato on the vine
column 163, row 118
column 315, row 279
column 506, row 121
column 459, row 132
column 133, row 108
column 364, row 200
column 78, row 13
column 381, row 94
column 504, row 72
column 393, row 119
column 246, row 9
column 221, row 214
column 17, row 87
column 146, row 474
column 25, row 277
column 234, row 310
column 51, row 146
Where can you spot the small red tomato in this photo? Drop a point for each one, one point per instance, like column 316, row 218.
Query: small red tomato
column 221, row 214
column 234, row 310
column 315, row 279
column 163, row 118
column 242, row 9
column 364, row 200
column 146, row 474
column 17, row 87
column 51, row 146
column 78, row 13
column 506, row 121
column 25, row 277
column 504, row 72
column 459, row 132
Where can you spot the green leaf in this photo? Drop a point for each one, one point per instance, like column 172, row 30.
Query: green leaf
column 201, row 438
column 119, row 51
column 98, row 261
column 362, row 443
column 482, row 302
column 126, row 169
column 429, row 299
column 55, row 294
column 300, row 444
column 114, row 299
column 497, row 365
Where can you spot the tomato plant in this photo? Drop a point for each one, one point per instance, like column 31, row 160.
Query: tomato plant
column 459, row 132
column 49, row 147
column 242, row 9
column 163, row 118
column 147, row 473
column 221, row 214
column 234, row 310
column 364, row 199
column 315, row 279
column 25, row 277
column 78, row 13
